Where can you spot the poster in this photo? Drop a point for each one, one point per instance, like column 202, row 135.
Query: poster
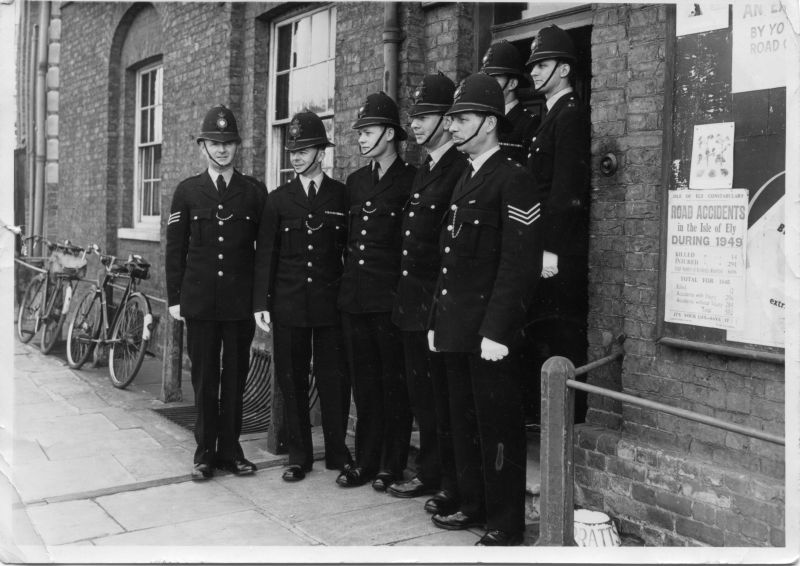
column 712, row 157
column 698, row 17
column 764, row 317
column 759, row 44
column 705, row 273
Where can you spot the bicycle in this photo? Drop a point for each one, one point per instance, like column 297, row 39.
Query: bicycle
column 46, row 300
column 124, row 328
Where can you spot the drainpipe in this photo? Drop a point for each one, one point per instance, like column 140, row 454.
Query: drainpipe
column 30, row 127
column 391, row 41
column 41, row 107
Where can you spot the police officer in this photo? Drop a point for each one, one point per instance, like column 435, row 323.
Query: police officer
column 211, row 230
column 376, row 195
column 559, row 163
column 419, row 264
column 298, row 268
column 485, row 283
column 504, row 62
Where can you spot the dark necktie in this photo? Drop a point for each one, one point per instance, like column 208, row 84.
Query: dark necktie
column 428, row 162
column 312, row 191
column 221, row 186
column 375, row 176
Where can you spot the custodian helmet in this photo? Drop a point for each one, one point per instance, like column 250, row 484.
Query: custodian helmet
column 306, row 130
column 380, row 110
column 219, row 125
column 502, row 58
column 434, row 95
column 552, row 42
column 482, row 94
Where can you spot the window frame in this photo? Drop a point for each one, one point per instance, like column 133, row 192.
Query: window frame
column 276, row 128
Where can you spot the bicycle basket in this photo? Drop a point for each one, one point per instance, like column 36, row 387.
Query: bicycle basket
column 140, row 270
column 67, row 263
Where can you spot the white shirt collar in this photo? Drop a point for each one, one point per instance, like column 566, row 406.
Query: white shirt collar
column 227, row 174
column 553, row 99
column 478, row 162
column 437, row 153
column 511, row 105
column 317, row 182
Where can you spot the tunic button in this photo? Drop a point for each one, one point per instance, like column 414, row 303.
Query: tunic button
column 310, row 232
column 219, row 206
column 447, row 249
column 366, row 218
column 408, row 232
column 405, row 252
column 310, row 215
column 361, row 247
column 453, row 207
column 363, row 232
column 405, row 273
column 410, row 214
column 444, row 291
column 310, row 247
column 221, row 223
column 433, row 207
column 309, row 264
column 368, row 203
column 416, row 195
column 444, row 270
column 477, row 221
column 221, row 239
column 286, row 229
column 219, row 273
column 309, row 279
column 449, row 227
column 220, row 256
column 361, row 262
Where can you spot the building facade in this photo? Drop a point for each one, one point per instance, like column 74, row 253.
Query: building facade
column 127, row 85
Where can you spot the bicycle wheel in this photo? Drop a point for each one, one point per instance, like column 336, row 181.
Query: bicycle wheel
column 129, row 340
column 29, row 310
column 83, row 330
column 53, row 318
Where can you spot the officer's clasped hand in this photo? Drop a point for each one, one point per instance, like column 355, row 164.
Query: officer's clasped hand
column 175, row 312
column 262, row 320
column 549, row 264
column 493, row 351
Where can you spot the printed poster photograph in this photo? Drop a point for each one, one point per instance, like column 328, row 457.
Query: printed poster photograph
column 699, row 17
column 759, row 45
column 712, row 156
column 705, row 271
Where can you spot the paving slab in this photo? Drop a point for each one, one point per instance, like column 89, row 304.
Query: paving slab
column 51, row 479
column 28, row 415
column 71, row 521
column 33, row 362
column 316, row 496
column 26, row 393
column 172, row 504
column 443, row 538
column 157, row 463
column 132, row 441
column 242, row 528
column 65, row 428
column 23, row 451
column 126, row 418
column 87, row 402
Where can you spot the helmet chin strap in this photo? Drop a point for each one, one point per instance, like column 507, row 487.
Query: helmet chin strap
column 217, row 163
column 380, row 137
column 537, row 89
column 475, row 133
column 433, row 131
column 313, row 162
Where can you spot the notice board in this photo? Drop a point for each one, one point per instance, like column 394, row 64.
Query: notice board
column 699, row 92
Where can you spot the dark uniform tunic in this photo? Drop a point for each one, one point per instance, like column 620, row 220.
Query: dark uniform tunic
column 486, row 281
column 209, row 265
column 559, row 164
column 423, row 220
column 366, row 298
column 298, row 270
column 516, row 142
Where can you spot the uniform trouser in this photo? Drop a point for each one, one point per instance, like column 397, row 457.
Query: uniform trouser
column 383, row 426
column 486, row 412
column 427, row 391
column 295, row 347
column 218, row 394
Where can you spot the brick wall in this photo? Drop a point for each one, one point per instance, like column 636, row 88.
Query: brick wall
column 668, row 480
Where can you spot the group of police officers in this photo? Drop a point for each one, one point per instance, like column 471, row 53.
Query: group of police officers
column 434, row 292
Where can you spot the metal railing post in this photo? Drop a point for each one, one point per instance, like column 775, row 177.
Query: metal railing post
column 556, row 504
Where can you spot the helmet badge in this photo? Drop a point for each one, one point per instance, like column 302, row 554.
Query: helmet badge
column 294, row 129
column 487, row 58
column 535, row 44
column 363, row 110
column 419, row 95
column 222, row 123
column 458, row 93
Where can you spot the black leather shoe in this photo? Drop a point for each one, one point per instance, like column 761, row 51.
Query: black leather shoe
column 202, row 472
column 458, row 521
column 382, row 481
column 500, row 538
column 353, row 477
column 443, row 502
column 410, row 488
column 240, row 467
column 294, row 473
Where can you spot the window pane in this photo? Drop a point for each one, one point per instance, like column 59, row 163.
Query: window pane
column 152, row 116
column 282, row 97
column 302, row 39
column 284, row 47
column 157, row 162
column 332, row 34
column 310, row 89
column 319, row 37
column 151, row 97
column 144, row 90
column 144, row 122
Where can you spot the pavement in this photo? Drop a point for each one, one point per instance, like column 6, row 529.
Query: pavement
column 94, row 474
